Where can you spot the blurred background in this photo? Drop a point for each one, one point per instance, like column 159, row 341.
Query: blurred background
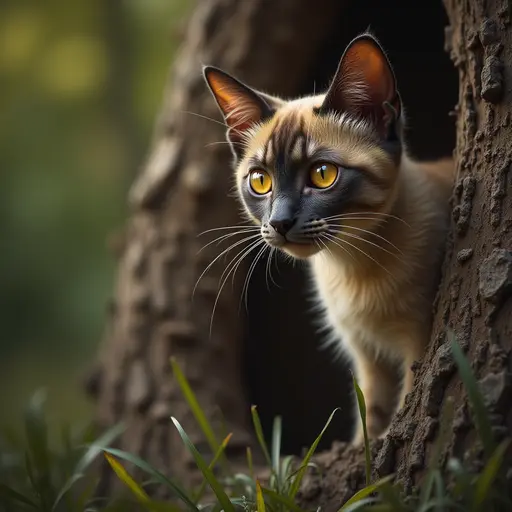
column 80, row 85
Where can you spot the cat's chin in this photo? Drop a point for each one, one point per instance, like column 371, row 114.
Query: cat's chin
column 300, row 251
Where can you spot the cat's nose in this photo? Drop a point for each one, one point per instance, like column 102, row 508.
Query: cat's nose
column 282, row 226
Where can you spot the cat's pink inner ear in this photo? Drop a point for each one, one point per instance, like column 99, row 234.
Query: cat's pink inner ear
column 365, row 70
column 240, row 105
column 363, row 82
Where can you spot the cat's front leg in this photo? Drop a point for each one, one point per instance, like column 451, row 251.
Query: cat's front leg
column 412, row 351
column 379, row 381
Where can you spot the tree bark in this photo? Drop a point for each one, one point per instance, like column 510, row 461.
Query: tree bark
column 474, row 299
column 183, row 190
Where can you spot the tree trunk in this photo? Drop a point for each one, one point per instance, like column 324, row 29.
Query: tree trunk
column 182, row 191
column 474, row 299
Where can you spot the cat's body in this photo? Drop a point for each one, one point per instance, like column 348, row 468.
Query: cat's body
column 380, row 308
column 328, row 179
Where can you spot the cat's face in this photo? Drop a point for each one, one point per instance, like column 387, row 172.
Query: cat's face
column 312, row 170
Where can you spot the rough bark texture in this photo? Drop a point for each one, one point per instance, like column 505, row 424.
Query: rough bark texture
column 182, row 191
column 475, row 294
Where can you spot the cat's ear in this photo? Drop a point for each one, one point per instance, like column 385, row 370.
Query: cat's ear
column 241, row 106
column 365, row 85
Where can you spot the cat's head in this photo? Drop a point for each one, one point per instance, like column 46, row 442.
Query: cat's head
column 310, row 169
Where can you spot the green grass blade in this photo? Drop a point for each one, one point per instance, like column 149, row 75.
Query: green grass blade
column 281, row 499
column 259, row 434
column 72, row 480
column 214, row 461
column 207, row 473
column 97, row 446
column 244, row 485
column 157, row 475
column 365, row 493
column 479, row 411
column 440, row 492
column 38, row 454
column 294, row 488
column 463, row 484
column 260, row 502
column 287, row 473
column 310, row 465
column 488, row 475
column 391, row 497
column 433, row 475
column 86, row 460
column 427, row 487
column 363, row 503
column 196, row 409
column 361, row 404
column 126, row 478
column 276, row 444
column 250, row 464
column 440, row 504
column 68, row 448
column 15, row 498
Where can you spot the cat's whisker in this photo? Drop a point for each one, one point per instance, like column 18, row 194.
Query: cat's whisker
column 361, row 239
column 225, row 251
column 344, row 226
column 273, row 254
column 233, row 267
column 245, row 289
column 322, row 245
column 324, row 236
column 221, row 238
column 226, row 270
column 267, row 266
column 338, row 241
column 252, row 228
column 211, row 119
column 329, row 219
column 215, row 143
column 376, row 214
column 327, row 248
column 364, row 240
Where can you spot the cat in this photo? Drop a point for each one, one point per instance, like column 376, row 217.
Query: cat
column 328, row 179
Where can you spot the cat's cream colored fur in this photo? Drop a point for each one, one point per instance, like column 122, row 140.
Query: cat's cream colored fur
column 381, row 308
column 377, row 291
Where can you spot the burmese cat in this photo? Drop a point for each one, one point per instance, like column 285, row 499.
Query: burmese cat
column 328, row 179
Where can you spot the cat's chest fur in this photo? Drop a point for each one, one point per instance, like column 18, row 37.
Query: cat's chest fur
column 367, row 310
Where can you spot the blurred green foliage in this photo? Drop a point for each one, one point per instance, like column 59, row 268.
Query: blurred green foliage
column 80, row 85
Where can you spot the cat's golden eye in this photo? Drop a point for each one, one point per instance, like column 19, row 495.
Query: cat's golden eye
column 260, row 182
column 323, row 175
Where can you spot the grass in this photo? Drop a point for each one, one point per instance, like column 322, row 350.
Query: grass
column 37, row 476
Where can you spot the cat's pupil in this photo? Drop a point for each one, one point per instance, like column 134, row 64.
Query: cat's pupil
column 322, row 172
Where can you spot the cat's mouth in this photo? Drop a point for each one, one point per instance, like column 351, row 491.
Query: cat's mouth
column 300, row 250
column 294, row 245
